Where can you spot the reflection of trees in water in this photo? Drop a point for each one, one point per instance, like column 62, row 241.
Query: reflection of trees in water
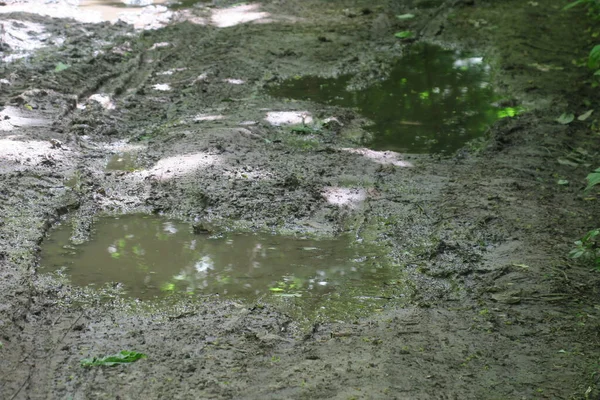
column 251, row 266
column 170, row 258
column 433, row 100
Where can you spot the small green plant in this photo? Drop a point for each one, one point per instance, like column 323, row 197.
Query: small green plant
column 587, row 248
column 593, row 179
column 61, row 67
column 593, row 62
column 405, row 35
column 123, row 357
column 593, row 6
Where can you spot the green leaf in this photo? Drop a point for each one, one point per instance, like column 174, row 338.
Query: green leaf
column 125, row 356
column 563, row 182
column 565, row 118
column 405, row 16
column 566, row 161
column 591, row 234
column 594, row 58
column 276, row 289
column 574, row 4
column 576, row 253
column 585, row 115
column 510, row 112
column 404, row 34
column 61, row 67
column 592, row 179
column 168, row 287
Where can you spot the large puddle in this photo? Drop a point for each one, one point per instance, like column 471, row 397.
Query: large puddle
column 434, row 101
column 153, row 257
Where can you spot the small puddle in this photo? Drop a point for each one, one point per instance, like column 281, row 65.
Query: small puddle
column 434, row 101
column 123, row 162
column 153, row 257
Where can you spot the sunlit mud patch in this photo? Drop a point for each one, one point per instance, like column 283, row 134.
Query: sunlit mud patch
column 171, row 167
column 13, row 118
column 154, row 257
column 434, row 101
column 21, row 37
column 31, row 152
column 95, row 11
column 349, row 197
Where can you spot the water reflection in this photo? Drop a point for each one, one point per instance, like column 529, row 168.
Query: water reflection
column 153, row 257
column 434, row 100
column 127, row 161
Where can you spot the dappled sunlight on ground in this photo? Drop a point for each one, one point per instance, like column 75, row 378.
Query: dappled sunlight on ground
column 172, row 167
column 150, row 17
column 31, row 152
column 340, row 196
column 22, row 37
column 278, row 118
column 141, row 16
column 12, row 118
column 381, row 157
column 204, row 117
column 238, row 15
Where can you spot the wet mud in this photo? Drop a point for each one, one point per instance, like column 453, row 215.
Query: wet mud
column 171, row 115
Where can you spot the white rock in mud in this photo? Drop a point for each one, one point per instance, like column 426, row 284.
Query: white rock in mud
column 104, row 100
column 163, row 87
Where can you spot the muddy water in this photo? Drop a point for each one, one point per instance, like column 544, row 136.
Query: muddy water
column 152, row 257
column 123, row 162
column 434, row 100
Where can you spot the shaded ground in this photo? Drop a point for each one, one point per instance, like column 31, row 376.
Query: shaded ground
column 485, row 303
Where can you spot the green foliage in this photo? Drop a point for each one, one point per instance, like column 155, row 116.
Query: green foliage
column 593, row 6
column 593, row 179
column 405, row 16
column 587, row 248
column 510, row 112
column 565, row 118
column 123, row 357
column 61, row 67
column 594, row 56
column 573, row 4
column 405, row 34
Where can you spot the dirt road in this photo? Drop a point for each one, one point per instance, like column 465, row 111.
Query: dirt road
column 483, row 302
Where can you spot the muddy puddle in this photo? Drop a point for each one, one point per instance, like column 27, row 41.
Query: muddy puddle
column 127, row 161
column 434, row 100
column 149, row 257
